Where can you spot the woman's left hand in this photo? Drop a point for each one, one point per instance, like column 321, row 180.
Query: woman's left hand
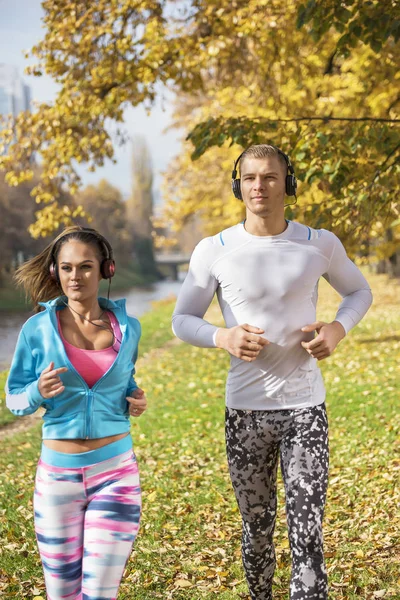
column 137, row 403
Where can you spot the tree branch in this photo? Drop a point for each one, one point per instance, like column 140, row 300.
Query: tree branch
column 330, row 64
column 382, row 168
column 326, row 119
column 107, row 89
column 395, row 101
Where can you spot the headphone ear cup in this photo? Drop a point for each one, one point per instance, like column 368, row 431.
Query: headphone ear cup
column 54, row 273
column 291, row 185
column 107, row 268
column 237, row 192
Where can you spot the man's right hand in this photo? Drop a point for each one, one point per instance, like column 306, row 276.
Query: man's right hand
column 50, row 384
column 242, row 341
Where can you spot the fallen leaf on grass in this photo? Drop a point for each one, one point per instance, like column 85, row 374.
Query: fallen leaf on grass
column 182, row 583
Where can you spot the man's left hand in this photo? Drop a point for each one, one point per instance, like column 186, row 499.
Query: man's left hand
column 327, row 338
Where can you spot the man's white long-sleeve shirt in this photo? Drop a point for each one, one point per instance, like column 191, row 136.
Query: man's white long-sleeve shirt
column 272, row 283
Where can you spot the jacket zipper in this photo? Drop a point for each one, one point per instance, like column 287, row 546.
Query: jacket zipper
column 90, row 391
column 90, row 399
column 88, row 413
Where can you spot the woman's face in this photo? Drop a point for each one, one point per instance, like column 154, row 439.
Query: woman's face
column 79, row 270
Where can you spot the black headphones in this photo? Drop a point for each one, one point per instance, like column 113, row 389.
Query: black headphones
column 107, row 265
column 290, row 181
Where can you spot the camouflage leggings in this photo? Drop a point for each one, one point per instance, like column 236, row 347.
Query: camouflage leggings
column 254, row 440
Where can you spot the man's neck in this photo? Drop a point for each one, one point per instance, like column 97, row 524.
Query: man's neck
column 264, row 226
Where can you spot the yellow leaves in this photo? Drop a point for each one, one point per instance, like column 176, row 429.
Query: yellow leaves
column 205, row 578
column 204, row 191
column 52, row 216
column 12, row 179
column 213, row 50
column 152, row 496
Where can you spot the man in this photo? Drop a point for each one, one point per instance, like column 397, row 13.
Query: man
column 265, row 273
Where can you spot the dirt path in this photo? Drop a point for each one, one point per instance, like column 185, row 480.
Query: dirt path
column 20, row 425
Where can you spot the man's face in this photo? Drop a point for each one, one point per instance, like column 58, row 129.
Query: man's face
column 262, row 181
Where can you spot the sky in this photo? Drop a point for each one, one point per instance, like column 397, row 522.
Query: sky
column 20, row 29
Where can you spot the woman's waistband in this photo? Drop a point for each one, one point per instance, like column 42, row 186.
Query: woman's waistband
column 85, row 459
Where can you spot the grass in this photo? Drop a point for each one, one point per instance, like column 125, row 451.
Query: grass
column 5, row 415
column 189, row 543
column 156, row 326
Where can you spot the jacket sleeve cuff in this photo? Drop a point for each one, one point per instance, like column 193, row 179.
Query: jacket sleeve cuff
column 24, row 402
column 35, row 397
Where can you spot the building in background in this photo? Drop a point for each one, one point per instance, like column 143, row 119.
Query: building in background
column 15, row 95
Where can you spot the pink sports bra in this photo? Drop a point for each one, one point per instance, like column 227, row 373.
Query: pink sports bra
column 92, row 364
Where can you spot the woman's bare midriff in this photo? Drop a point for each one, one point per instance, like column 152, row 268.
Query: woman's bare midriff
column 76, row 446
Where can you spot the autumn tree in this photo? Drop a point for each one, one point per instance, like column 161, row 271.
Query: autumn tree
column 107, row 210
column 16, row 214
column 139, row 206
column 320, row 94
column 318, row 79
column 17, row 217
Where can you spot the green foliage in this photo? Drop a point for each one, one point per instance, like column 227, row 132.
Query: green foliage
column 5, row 415
column 156, row 326
column 373, row 22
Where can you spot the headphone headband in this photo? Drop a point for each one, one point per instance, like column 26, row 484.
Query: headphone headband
column 290, row 182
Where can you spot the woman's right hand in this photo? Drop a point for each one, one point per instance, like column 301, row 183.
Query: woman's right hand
column 50, row 384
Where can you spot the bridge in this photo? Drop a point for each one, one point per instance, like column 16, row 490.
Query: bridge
column 171, row 262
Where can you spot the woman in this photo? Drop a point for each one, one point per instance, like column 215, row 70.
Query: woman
column 76, row 358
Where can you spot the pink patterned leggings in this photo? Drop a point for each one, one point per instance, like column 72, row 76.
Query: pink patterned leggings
column 86, row 520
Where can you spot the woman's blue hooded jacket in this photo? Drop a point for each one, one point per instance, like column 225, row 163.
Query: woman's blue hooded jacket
column 79, row 412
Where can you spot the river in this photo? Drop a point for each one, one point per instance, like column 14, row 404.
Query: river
column 138, row 301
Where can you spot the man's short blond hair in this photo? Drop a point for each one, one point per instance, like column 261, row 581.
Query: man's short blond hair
column 263, row 151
